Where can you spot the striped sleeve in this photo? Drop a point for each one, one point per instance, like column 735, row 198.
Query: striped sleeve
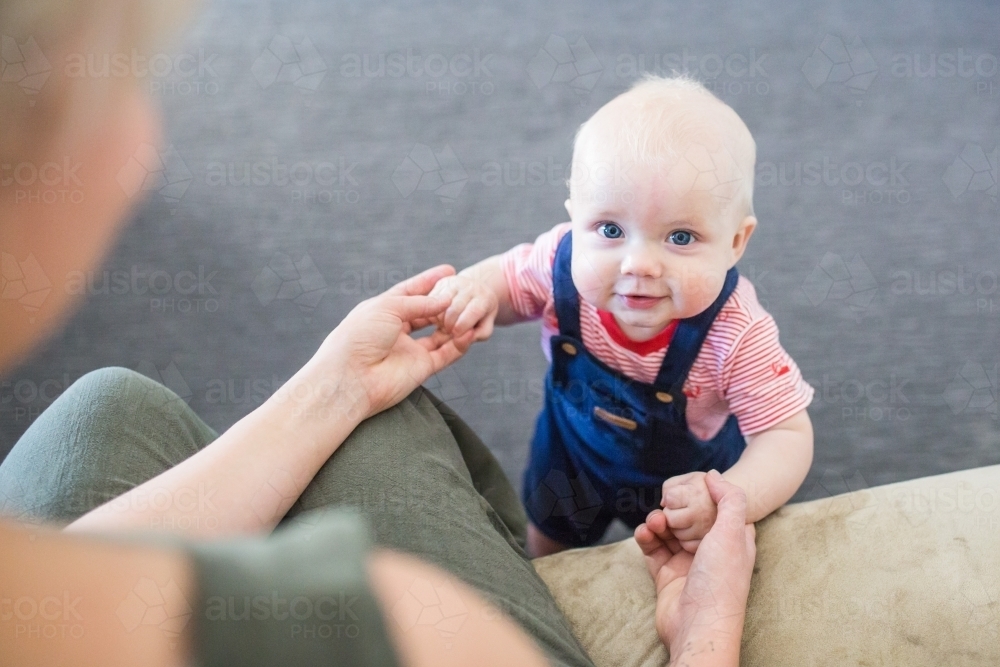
column 527, row 269
column 762, row 383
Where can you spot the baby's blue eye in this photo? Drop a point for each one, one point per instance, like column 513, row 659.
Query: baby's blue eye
column 681, row 237
column 610, row 230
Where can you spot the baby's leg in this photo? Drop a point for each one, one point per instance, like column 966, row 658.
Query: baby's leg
column 540, row 544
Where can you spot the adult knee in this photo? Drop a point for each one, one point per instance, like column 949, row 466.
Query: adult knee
column 115, row 391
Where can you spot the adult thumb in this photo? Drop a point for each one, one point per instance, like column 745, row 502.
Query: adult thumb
column 730, row 499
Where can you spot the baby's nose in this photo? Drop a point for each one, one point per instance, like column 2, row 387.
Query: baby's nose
column 642, row 262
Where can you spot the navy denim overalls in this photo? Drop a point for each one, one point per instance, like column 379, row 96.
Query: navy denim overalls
column 605, row 443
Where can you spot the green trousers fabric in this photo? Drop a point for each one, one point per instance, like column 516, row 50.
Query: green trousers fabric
column 416, row 474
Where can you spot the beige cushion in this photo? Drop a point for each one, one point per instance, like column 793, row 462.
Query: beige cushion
column 904, row 574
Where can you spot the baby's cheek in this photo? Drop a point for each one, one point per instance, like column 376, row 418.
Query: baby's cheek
column 696, row 286
column 594, row 272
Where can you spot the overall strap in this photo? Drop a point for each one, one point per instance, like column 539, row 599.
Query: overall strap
column 688, row 337
column 566, row 297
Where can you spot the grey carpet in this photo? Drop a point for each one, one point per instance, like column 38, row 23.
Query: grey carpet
column 885, row 289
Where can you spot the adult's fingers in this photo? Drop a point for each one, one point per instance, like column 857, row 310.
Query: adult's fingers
column 657, row 523
column 423, row 282
column 690, row 546
column 450, row 352
column 434, row 341
column 411, row 309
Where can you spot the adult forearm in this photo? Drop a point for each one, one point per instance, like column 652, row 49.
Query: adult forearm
column 247, row 479
column 773, row 466
column 706, row 649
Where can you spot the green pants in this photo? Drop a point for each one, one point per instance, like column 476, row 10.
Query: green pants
column 419, row 477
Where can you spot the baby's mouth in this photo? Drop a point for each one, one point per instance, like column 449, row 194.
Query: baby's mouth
column 640, row 301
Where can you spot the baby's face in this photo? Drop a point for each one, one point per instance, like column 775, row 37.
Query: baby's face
column 651, row 245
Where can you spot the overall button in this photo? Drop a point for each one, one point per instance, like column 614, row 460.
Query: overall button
column 569, row 348
column 664, row 397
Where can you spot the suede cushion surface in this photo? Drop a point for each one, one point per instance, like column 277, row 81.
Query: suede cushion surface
column 901, row 574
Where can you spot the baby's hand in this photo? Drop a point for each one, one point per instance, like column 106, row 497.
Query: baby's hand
column 689, row 508
column 473, row 306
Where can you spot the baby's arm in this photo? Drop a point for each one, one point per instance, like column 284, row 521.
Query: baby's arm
column 770, row 470
column 773, row 465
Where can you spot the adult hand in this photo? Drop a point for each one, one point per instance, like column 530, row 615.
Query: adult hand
column 701, row 599
column 371, row 354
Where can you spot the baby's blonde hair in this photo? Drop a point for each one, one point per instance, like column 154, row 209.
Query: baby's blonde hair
column 663, row 117
column 33, row 116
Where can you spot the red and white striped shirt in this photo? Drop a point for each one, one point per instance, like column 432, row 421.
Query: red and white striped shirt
column 741, row 368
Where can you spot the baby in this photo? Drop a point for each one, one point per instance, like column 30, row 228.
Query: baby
column 664, row 365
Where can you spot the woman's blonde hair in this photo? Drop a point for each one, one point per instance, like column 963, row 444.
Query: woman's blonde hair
column 37, row 36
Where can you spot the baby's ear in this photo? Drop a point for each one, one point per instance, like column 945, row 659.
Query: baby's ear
column 743, row 233
column 569, row 208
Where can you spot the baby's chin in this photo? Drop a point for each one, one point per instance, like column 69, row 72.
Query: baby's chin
column 654, row 319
